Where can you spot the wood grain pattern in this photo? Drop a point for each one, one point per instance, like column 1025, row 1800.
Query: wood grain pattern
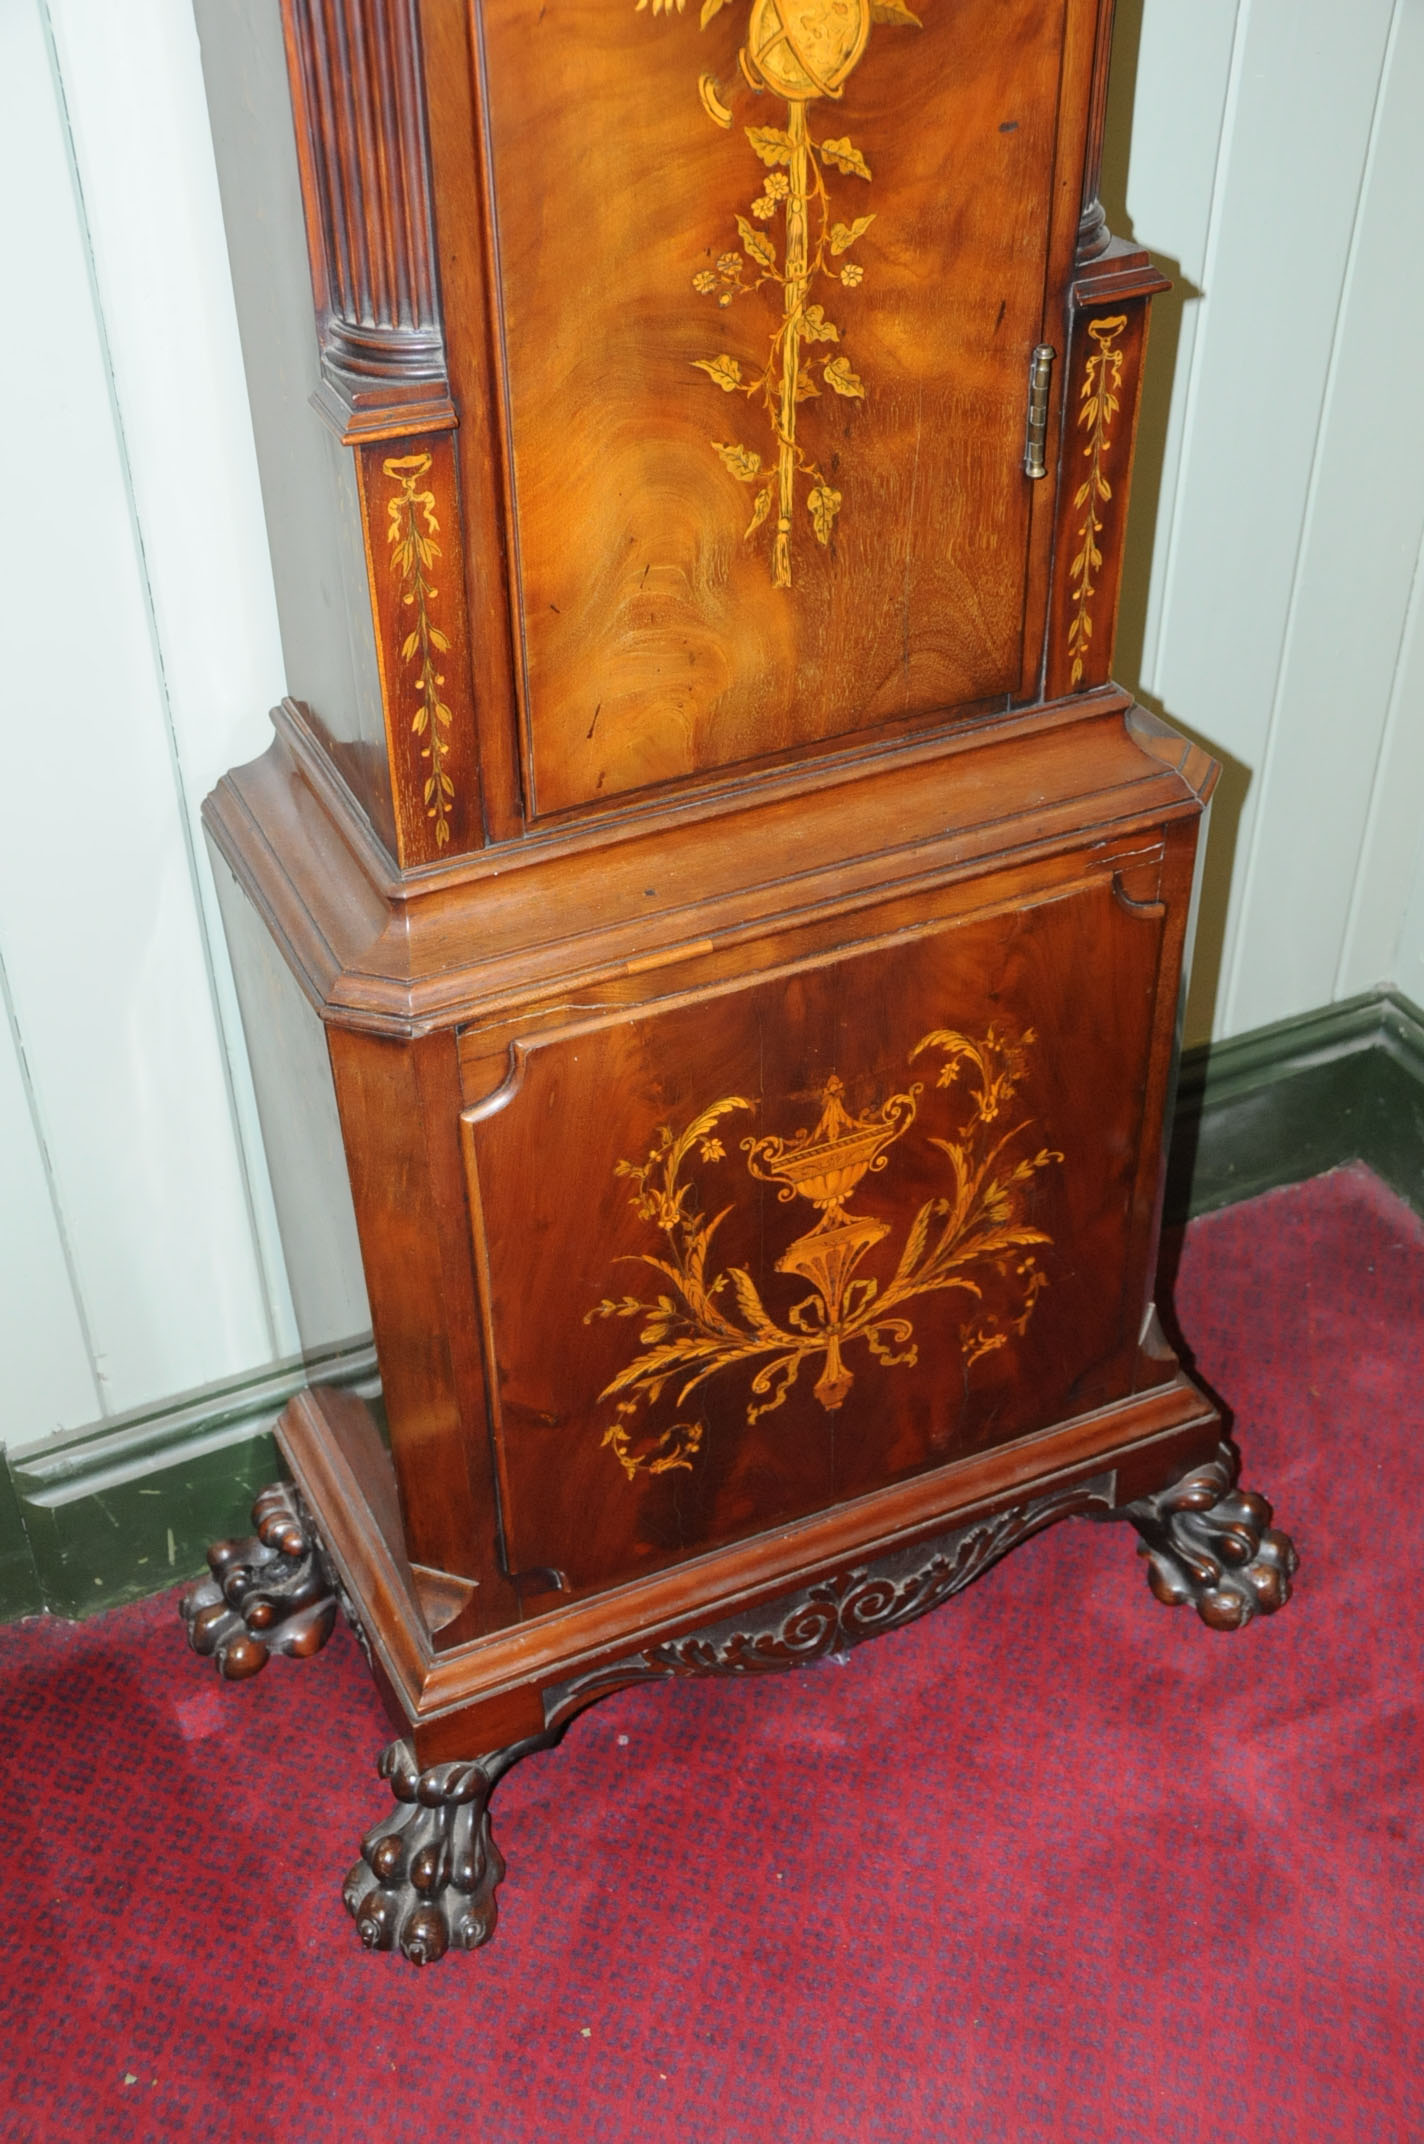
column 739, row 1002
column 655, row 644
column 399, row 1107
column 1093, row 233
column 587, row 1101
column 389, row 955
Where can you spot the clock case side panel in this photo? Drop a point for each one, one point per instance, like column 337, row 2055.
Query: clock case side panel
column 301, row 1127
column 400, row 1100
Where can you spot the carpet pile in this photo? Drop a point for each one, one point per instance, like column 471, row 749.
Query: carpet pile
column 1056, row 1863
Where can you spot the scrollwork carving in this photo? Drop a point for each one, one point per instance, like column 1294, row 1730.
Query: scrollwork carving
column 837, row 1612
column 427, row 1876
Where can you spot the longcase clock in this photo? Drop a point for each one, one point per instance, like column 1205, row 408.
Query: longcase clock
column 710, row 932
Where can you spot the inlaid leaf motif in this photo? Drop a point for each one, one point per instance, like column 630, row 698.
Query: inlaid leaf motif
column 845, row 156
column 972, row 1239
column 411, row 529
column 724, row 370
column 742, row 462
column 1098, row 405
column 837, row 373
column 824, row 504
column 627, row 1306
column 802, row 52
column 772, row 144
column 844, row 235
column 760, row 247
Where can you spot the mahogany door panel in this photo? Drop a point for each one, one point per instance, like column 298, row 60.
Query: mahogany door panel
column 747, row 1255
column 768, row 289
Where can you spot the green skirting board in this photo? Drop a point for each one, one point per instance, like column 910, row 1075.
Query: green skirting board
column 106, row 1514
column 101, row 1515
column 1287, row 1102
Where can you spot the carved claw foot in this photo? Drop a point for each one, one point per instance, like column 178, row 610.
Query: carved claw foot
column 426, row 1878
column 267, row 1594
column 1208, row 1542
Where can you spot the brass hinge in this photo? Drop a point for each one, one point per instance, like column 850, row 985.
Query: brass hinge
column 1040, row 377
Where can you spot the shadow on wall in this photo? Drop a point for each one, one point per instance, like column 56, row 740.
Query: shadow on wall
column 1149, row 470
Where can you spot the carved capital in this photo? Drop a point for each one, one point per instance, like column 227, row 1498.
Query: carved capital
column 358, row 98
column 1208, row 1542
column 270, row 1593
column 1094, row 236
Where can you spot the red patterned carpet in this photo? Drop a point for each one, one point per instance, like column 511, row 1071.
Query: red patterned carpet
column 1055, row 1863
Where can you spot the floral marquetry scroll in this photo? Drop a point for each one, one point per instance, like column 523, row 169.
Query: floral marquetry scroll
column 970, row 1241
column 1099, row 406
column 414, row 552
column 797, row 243
column 1099, row 419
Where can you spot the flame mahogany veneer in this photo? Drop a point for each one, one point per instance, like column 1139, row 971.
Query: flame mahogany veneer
column 745, row 923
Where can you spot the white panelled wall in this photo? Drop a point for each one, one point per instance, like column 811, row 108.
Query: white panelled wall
column 137, row 1257
column 1274, row 157
column 1269, row 152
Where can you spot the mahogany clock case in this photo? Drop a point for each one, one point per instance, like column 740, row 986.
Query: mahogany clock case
column 710, row 934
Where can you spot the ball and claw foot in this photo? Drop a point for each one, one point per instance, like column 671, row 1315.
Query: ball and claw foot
column 1211, row 1543
column 426, row 1879
column 268, row 1594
